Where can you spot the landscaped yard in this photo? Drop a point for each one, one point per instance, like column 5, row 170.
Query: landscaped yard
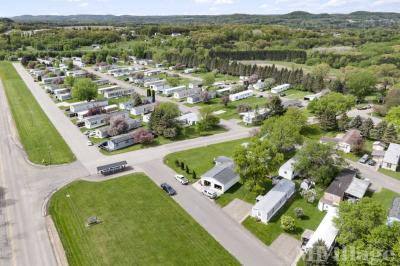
column 140, row 225
column 296, row 94
column 385, row 197
column 267, row 233
column 201, row 159
column 188, row 133
column 218, row 77
column 231, row 108
column 41, row 140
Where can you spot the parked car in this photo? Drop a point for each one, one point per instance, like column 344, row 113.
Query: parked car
column 181, row 179
column 209, row 193
column 364, row 159
column 371, row 162
column 364, row 107
column 282, row 94
column 89, row 143
column 167, row 188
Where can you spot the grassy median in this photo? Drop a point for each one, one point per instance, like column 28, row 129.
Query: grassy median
column 140, row 225
column 41, row 140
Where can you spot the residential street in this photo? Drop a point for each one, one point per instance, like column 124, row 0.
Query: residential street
column 26, row 187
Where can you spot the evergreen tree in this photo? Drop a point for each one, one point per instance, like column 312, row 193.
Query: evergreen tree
column 275, row 106
column 390, row 135
column 356, row 122
column 343, row 122
column 366, row 127
column 318, row 255
column 328, row 120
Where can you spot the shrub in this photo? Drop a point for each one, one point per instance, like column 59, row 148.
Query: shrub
column 182, row 165
column 299, row 212
column 288, row 223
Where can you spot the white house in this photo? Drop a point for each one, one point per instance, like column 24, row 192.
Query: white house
column 83, row 106
column 152, row 72
column 280, row 88
column 253, row 116
column 240, row 95
column 391, row 161
column 224, row 90
column 188, row 119
column 143, row 109
column 76, row 73
column 269, row 204
column 96, row 121
column 221, row 177
column 151, row 82
column 346, row 142
column 194, row 99
column 326, row 231
column 179, row 95
column 189, row 70
column 106, row 89
column 64, row 96
column 260, row 85
column 171, row 91
column 119, row 93
column 394, row 212
column 287, row 169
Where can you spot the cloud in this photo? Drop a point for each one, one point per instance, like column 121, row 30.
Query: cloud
column 215, row 2
column 83, row 4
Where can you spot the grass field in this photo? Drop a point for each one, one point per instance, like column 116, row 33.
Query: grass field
column 140, row 225
column 390, row 173
column 41, row 140
column 201, row 159
column 267, row 233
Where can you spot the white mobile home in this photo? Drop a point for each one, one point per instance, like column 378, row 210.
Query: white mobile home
column 240, row 95
column 119, row 93
column 268, row 205
column 64, row 96
column 103, row 119
column 143, row 109
column 171, row 91
column 224, row 90
column 280, row 88
column 152, row 72
column 188, row 119
column 83, row 106
column 391, row 160
column 106, row 89
column 149, row 83
column 221, row 177
column 179, row 95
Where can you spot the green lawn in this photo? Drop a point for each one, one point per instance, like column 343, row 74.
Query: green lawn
column 201, row 159
column 390, row 173
column 140, row 225
column 385, row 197
column 41, row 140
column 188, row 133
column 231, row 108
column 218, row 77
column 267, row 233
column 296, row 94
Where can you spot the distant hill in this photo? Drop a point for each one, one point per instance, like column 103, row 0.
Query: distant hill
column 296, row 19
column 5, row 24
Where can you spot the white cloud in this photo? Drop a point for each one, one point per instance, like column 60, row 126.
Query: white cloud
column 83, row 4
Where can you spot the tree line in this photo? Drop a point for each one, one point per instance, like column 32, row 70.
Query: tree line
column 299, row 56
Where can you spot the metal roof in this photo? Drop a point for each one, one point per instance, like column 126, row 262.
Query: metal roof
column 341, row 183
column 274, row 196
column 358, row 188
column 223, row 173
column 392, row 154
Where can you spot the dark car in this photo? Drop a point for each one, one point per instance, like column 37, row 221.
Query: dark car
column 167, row 188
column 371, row 162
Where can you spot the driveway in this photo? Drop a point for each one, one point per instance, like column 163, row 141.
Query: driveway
column 286, row 247
column 238, row 210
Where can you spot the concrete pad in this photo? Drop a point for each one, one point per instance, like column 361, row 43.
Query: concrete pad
column 238, row 210
column 286, row 247
column 219, row 112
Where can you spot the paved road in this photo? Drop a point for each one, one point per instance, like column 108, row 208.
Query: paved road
column 24, row 189
column 364, row 114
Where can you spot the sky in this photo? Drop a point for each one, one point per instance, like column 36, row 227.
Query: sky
column 10, row 8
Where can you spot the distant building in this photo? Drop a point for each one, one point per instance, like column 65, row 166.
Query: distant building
column 188, row 119
column 391, row 161
column 240, row 95
column 280, row 88
column 347, row 142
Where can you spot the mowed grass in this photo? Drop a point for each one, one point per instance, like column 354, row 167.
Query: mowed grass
column 140, row 225
column 41, row 140
column 390, row 173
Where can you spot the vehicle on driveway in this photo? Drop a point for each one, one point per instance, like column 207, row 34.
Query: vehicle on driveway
column 209, row 193
column 364, row 107
column 89, row 143
column 181, row 179
column 167, row 188
column 364, row 159
column 371, row 162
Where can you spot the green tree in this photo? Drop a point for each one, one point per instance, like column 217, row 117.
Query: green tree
column 275, row 106
column 321, row 71
column 393, row 116
column 360, row 83
column 328, row 120
column 318, row 255
column 390, row 135
column 369, row 213
column 163, row 120
column 208, row 120
column 334, row 101
column 317, row 162
column 208, row 79
column 69, row 81
column 377, row 132
column 256, row 161
column 225, row 100
column 136, row 99
column 84, row 89
column 356, row 122
column 366, row 127
column 343, row 122
column 288, row 223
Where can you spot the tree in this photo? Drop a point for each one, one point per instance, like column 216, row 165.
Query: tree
column 163, row 119
column 321, row 71
column 275, row 106
column 328, row 120
column 242, row 108
column 69, row 81
column 136, row 99
column 117, row 126
column 256, row 161
column 369, row 213
column 225, row 100
column 360, row 83
column 208, row 120
column 343, row 122
column 392, row 98
column 356, row 122
column 194, row 176
column 288, row 223
column 144, row 136
column 393, row 116
column 336, row 86
column 84, row 89
column 390, row 135
column 318, row 255
column 205, row 96
column 377, row 132
column 182, row 165
column 317, row 162
column 208, row 79
column 366, row 127
column 109, row 59
column 153, row 96
column 334, row 101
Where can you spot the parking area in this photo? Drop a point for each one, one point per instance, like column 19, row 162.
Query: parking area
column 286, row 247
column 238, row 210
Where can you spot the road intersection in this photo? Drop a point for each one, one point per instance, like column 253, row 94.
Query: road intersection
column 26, row 187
